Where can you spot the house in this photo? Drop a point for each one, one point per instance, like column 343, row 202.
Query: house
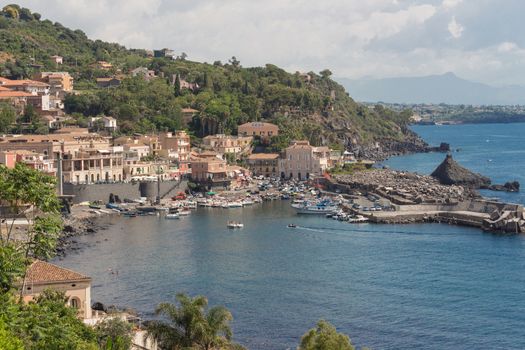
column 228, row 144
column 91, row 165
column 164, row 53
column 266, row 164
column 33, row 87
column 176, row 146
column 42, row 275
column 212, row 172
column 103, row 65
column 302, row 161
column 57, row 59
column 59, row 82
column 184, row 84
column 258, row 129
column 143, row 72
column 108, row 123
column 188, row 114
column 108, row 82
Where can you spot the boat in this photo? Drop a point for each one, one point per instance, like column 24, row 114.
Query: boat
column 321, row 208
column 172, row 216
column 234, row 224
column 292, row 225
column 357, row 219
column 130, row 214
column 184, row 212
column 235, row 204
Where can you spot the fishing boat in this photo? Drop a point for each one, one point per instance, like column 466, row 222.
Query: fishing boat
column 184, row 212
column 172, row 216
column 234, row 224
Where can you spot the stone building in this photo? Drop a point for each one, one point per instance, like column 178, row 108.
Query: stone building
column 301, row 160
column 259, row 129
column 228, row 144
column 266, row 164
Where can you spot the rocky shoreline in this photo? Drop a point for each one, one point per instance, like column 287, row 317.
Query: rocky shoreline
column 76, row 227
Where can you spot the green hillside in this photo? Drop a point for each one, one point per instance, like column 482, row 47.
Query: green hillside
column 316, row 108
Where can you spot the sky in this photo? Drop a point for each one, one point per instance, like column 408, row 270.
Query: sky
column 479, row 40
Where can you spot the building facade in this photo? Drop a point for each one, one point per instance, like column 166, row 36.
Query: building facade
column 266, row 164
column 302, row 161
column 259, row 129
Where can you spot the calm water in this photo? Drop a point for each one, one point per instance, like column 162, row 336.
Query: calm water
column 389, row 287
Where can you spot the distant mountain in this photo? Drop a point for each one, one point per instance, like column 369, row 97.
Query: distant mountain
column 447, row 88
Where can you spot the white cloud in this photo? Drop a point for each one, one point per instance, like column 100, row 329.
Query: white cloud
column 450, row 4
column 455, row 29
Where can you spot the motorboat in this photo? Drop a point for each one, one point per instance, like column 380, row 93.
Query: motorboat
column 321, row 208
column 357, row 219
column 234, row 224
column 292, row 225
column 172, row 216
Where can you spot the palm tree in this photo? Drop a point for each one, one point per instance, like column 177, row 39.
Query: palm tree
column 190, row 326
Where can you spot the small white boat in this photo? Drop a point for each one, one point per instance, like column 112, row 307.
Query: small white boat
column 234, row 224
column 172, row 216
column 357, row 219
column 184, row 213
column 235, row 204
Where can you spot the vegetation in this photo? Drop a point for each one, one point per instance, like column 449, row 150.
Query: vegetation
column 348, row 169
column 190, row 325
column 305, row 106
column 114, row 334
column 325, row 337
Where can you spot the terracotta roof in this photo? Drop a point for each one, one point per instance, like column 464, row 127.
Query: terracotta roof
column 41, row 272
column 261, row 156
column 8, row 82
column 259, row 125
column 9, row 94
column 4, row 89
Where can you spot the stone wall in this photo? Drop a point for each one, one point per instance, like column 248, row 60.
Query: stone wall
column 130, row 190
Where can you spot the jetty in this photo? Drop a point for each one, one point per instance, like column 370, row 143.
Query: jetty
column 416, row 198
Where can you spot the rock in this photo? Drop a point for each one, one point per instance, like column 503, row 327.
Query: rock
column 449, row 172
column 513, row 186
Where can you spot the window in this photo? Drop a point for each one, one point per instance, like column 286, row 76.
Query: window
column 75, row 303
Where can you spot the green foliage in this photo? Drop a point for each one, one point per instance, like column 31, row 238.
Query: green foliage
column 191, row 325
column 30, row 194
column 114, row 334
column 325, row 337
column 46, row 323
column 348, row 169
column 7, row 117
column 8, row 341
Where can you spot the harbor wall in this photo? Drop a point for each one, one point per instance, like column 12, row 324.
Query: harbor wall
column 100, row 192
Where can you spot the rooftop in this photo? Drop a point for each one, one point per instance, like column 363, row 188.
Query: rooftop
column 41, row 272
column 263, row 156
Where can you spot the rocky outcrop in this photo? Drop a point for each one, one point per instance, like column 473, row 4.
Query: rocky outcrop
column 513, row 186
column 449, row 172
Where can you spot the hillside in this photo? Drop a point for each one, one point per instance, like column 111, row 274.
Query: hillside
column 447, row 88
column 311, row 106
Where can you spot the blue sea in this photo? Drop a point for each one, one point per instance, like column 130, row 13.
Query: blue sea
column 422, row 286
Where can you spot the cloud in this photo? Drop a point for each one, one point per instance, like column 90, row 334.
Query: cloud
column 353, row 38
column 455, row 29
column 450, row 4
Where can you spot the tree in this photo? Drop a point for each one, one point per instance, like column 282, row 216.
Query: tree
column 190, row 325
column 114, row 334
column 234, row 62
column 7, row 117
column 326, row 73
column 30, row 194
column 325, row 337
column 177, row 86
